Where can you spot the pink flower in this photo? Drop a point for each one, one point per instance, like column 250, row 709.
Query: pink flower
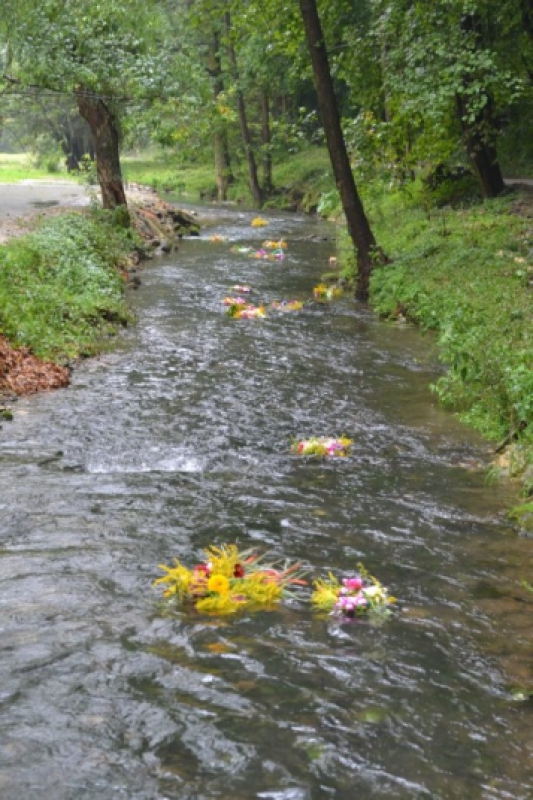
column 360, row 600
column 353, row 584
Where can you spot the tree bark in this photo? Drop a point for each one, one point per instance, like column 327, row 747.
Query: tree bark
column 526, row 9
column 245, row 130
column 479, row 133
column 266, row 141
column 356, row 220
column 76, row 142
column 481, row 152
column 223, row 172
column 103, row 124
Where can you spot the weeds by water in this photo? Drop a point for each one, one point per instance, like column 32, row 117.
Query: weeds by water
column 467, row 274
column 61, row 292
column 302, row 178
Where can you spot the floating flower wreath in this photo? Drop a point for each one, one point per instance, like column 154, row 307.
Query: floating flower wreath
column 354, row 596
column 246, row 311
column 322, row 291
column 217, row 237
column 234, row 301
column 241, row 289
column 270, row 244
column 240, row 249
column 322, row 446
column 230, row 581
column 265, row 255
column 259, row 222
column 287, row 305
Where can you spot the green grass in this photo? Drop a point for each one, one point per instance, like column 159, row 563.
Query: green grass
column 468, row 275
column 61, row 293
column 305, row 175
column 15, row 167
column 166, row 175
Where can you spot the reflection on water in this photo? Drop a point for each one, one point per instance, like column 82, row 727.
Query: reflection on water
column 180, row 439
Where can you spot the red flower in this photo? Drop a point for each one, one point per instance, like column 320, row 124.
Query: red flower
column 238, row 571
column 202, row 568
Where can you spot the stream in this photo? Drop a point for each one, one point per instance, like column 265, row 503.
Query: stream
column 179, row 438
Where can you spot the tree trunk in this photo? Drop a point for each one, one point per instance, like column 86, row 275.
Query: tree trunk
column 220, row 137
column 245, row 130
column 103, row 125
column 479, row 134
column 265, row 141
column 480, row 151
column 526, row 9
column 222, row 164
column 76, row 142
column 356, row 220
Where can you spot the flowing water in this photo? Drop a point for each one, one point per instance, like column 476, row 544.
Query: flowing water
column 180, row 439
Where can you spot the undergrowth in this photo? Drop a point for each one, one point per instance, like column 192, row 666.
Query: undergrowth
column 61, row 292
column 300, row 178
column 467, row 274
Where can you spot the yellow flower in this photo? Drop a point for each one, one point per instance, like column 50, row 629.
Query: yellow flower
column 178, row 580
column 326, row 593
column 218, row 583
column 261, row 589
column 219, row 604
column 222, row 560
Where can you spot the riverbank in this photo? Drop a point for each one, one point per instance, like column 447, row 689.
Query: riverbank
column 65, row 266
column 464, row 272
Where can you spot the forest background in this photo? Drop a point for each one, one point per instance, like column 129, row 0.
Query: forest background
column 233, row 101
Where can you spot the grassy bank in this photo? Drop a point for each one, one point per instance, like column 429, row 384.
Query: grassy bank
column 300, row 179
column 61, row 292
column 467, row 274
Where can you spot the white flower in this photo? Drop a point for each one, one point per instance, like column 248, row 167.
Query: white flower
column 374, row 592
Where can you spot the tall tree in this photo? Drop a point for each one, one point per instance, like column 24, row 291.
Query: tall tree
column 449, row 71
column 253, row 179
column 223, row 171
column 101, row 54
column 103, row 122
column 356, row 219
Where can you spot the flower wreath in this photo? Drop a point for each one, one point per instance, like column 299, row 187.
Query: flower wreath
column 322, row 446
column 287, row 305
column 270, row 244
column 230, row 580
column 324, row 292
column 354, row 596
column 243, row 310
